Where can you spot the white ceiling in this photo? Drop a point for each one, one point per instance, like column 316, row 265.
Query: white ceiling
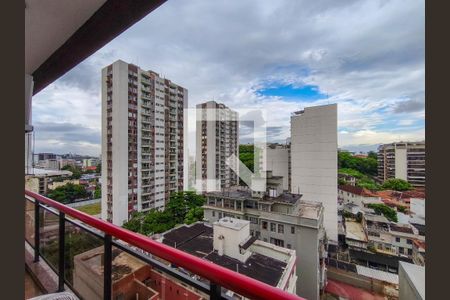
column 49, row 23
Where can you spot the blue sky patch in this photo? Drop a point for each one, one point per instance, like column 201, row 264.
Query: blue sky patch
column 290, row 92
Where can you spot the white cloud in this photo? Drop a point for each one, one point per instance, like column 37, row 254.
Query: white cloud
column 368, row 56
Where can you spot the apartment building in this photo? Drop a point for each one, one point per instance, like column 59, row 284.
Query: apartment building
column 90, row 162
column 228, row 243
column 142, row 140
column 281, row 219
column 217, row 138
column 314, row 160
column 402, row 160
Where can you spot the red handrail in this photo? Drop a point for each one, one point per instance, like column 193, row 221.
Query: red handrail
column 241, row 284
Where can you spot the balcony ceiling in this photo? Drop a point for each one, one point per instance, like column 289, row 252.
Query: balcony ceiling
column 50, row 23
column 59, row 34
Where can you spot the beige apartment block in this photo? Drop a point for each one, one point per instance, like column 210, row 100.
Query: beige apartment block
column 314, row 160
column 142, row 140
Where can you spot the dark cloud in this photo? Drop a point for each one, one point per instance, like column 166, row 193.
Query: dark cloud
column 67, row 132
column 409, row 106
column 87, row 75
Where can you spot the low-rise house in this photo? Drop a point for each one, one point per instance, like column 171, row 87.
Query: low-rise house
column 355, row 236
column 349, row 179
column 357, row 195
column 39, row 180
column 229, row 244
column 419, row 252
column 377, row 228
column 402, row 239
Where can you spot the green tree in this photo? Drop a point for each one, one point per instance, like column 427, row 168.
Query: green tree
column 99, row 168
column 367, row 166
column 68, row 193
column 387, row 211
column 97, row 192
column 372, row 154
column 76, row 171
column 397, row 184
column 183, row 207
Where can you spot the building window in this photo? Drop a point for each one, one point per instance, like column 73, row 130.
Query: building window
column 238, row 205
column 220, row 215
column 265, row 240
column 264, row 225
column 289, row 246
column 253, row 220
column 258, row 233
column 409, row 242
column 280, row 228
column 277, row 242
column 292, row 229
column 401, row 250
column 397, row 239
column 273, row 227
column 410, row 252
column 213, row 213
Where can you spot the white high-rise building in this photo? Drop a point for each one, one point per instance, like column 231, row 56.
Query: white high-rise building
column 217, row 139
column 402, row 160
column 142, row 140
column 314, row 160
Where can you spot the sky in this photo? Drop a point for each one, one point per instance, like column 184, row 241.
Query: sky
column 281, row 56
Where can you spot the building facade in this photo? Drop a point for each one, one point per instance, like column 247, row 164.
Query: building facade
column 142, row 140
column 278, row 161
column 217, row 138
column 281, row 219
column 403, row 160
column 314, row 160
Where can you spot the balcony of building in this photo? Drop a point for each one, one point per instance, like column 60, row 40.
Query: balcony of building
column 69, row 251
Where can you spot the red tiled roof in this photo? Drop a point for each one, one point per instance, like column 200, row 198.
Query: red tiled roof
column 357, row 190
column 419, row 244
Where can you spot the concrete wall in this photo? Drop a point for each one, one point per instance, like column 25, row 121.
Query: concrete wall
column 408, row 285
column 277, row 161
column 314, row 160
column 401, row 164
column 119, row 143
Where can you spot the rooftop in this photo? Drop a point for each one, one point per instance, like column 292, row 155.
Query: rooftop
column 355, row 231
column 45, row 172
column 357, row 190
column 233, row 223
column 376, row 218
column 197, row 239
column 243, row 194
column 404, row 229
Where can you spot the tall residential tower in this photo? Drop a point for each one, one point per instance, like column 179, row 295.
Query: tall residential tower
column 217, row 139
column 314, row 160
column 142, row 140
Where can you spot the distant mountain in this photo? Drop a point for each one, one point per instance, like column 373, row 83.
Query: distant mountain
column 364, row 148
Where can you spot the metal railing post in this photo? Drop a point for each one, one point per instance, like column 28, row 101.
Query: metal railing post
column 107, row 268
column 215, row 291
column 36, row 230
column 61, row 260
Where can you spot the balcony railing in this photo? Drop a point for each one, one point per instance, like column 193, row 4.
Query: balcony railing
column 54, row 222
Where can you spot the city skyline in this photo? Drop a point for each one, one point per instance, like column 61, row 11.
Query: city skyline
column 279, row 65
